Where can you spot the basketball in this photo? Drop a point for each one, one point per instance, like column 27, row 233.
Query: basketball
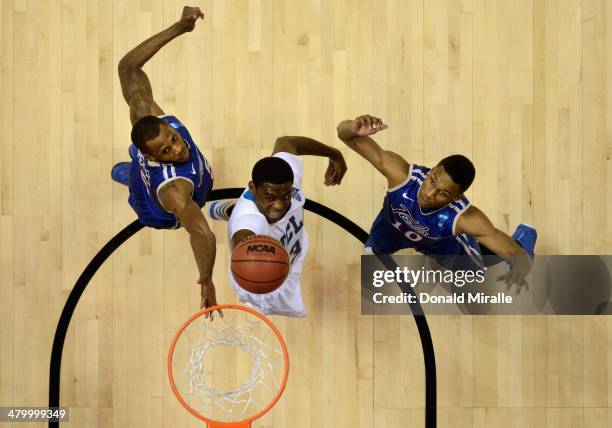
column 260, row 264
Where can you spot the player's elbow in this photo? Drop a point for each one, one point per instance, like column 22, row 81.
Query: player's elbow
column 125, row 66
column 122, row 67
column 342, row 128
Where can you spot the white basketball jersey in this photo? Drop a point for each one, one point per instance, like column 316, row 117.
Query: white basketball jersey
column 289, row 231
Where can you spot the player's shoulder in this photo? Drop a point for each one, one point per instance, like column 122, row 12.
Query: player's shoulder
column 473, row 222
column 286, row 155
column 462, row 206
column 294, row 161
column 171, row 120
column 245, row 205
column 472, row 212
column 245, row 215
column 416, row 175
column 418, row 172
column 473, row 219
column 166, row 173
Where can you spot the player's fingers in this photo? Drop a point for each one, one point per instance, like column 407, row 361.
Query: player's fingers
column 506, row 280
column 328, row 174
column 520, row 282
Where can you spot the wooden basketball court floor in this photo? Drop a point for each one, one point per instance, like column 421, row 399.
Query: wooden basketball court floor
column 522, row 87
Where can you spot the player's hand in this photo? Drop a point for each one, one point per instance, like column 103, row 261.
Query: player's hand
column 189, row 17
column 367, row 125
column 336, row 170
column 516, row 275
column 209, row 296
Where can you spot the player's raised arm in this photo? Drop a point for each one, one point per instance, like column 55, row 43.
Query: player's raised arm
column 307, row 146
column 475, row 223
column 135, row 84
column 175, row 197
column 355, row 134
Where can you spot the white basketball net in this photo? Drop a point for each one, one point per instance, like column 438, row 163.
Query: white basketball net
column 239, row 346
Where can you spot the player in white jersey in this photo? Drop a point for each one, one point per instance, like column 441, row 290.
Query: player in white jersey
column 273, row 205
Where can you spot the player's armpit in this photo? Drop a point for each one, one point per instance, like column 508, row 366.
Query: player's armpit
column 175, row 195
column 137, row 92
column 240, row 236
column 176, row 198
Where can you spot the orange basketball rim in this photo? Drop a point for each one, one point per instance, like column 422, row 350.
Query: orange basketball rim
column 244, row 335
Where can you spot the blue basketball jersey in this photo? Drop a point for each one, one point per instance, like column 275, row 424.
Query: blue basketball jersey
column 147, row 178
column 423, row 227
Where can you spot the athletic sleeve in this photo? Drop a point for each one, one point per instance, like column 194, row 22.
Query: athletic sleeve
column 297, row 166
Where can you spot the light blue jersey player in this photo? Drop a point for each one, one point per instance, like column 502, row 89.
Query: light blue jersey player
column 273, row 205
column 168, row 177
column 425, row 209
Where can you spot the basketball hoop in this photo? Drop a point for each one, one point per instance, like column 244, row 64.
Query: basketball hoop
column 229, row 371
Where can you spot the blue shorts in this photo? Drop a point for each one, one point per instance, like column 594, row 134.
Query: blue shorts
column 148, row 212
column 454, row 253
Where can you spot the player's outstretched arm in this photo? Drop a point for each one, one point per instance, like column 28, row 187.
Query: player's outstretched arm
column 475, row 223
column 176, row 198
column 135, row 84
column 307, row 146
column 355, row 134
